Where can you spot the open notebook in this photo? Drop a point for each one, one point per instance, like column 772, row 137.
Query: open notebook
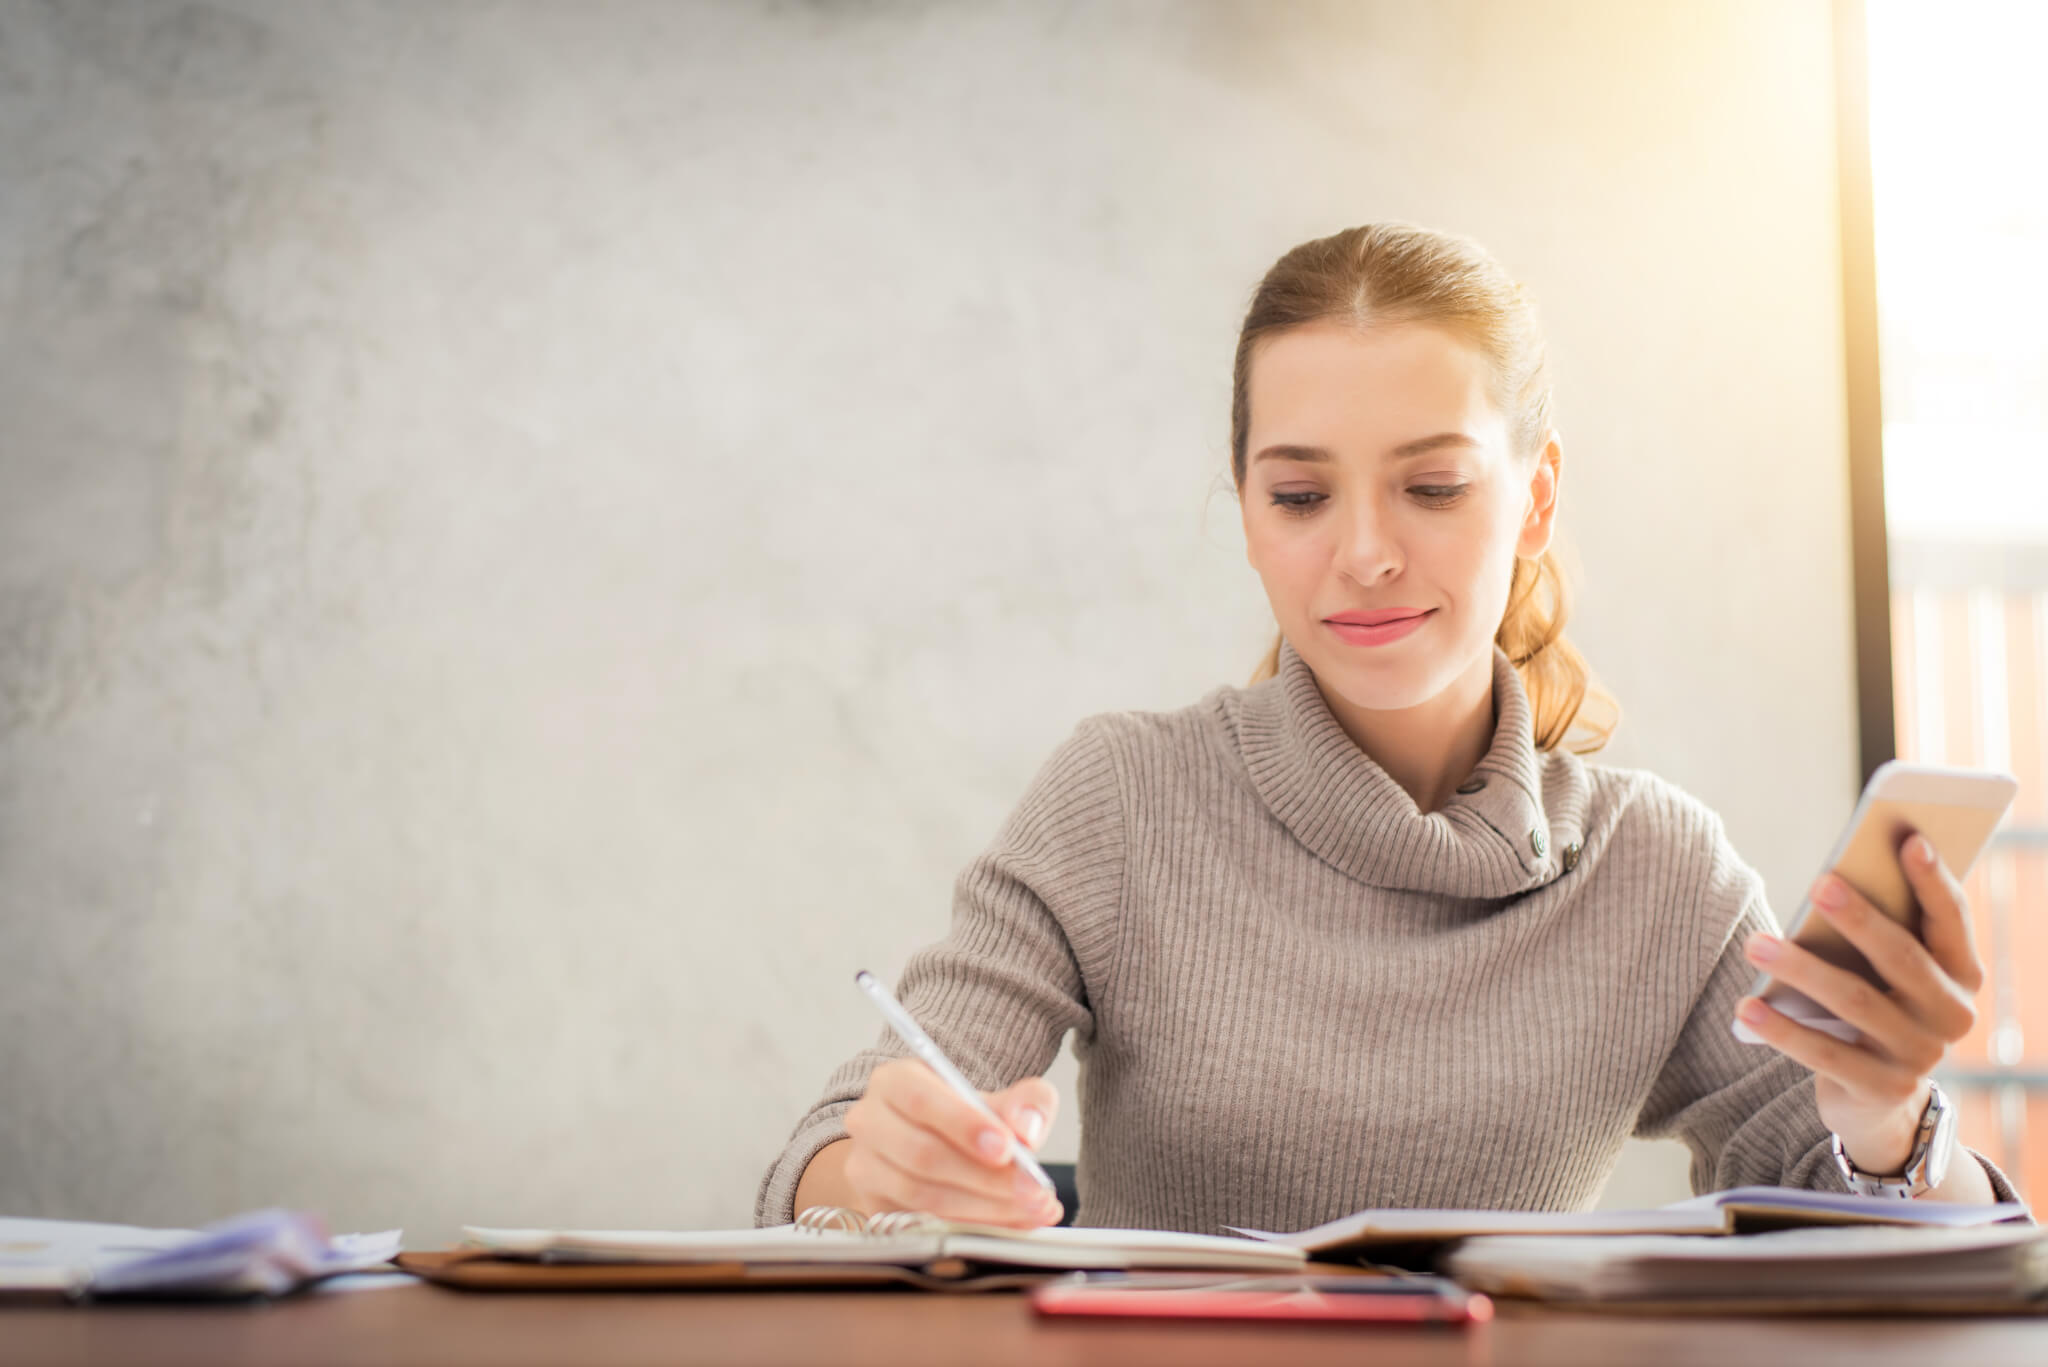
column 1739, row 1210
column 830, row 1235
column 1996, row 1266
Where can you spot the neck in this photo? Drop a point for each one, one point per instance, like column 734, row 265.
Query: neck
column 1429, row 748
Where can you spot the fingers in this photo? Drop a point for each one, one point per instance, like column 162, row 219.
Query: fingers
column 1028, row 1107
column 909, row 1168
column 1909, row 1027
column 885, row 1187
column 1881, row 1019
column 1917, row 982
column 1944, row 913
column 916, row 1093
column 920, row 1146
column 1870, row 1078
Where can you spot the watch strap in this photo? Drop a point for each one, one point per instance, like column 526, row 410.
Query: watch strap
column 1924, row 1166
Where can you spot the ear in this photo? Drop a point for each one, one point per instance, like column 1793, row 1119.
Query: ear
column 1534, row 538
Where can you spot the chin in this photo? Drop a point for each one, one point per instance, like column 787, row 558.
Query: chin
column 1376, row 694
column 1383, row 679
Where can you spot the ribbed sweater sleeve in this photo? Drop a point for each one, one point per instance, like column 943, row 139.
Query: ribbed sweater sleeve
column 1747, row 1112
column 1033, row 931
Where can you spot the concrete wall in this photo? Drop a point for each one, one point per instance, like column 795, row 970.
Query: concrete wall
column 534, row 539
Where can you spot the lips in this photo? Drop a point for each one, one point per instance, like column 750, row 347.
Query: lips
column 1376, row 619
column 1381, row 628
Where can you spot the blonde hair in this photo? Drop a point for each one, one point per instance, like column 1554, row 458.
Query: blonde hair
column 1399, row 273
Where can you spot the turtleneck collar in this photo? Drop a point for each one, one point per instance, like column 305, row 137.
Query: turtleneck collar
column 1516, row 828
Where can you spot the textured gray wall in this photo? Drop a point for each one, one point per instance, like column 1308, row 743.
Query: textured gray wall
column 535, row 539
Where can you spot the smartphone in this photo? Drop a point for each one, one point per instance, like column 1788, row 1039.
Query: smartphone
column 1347, row 1298
column 1956, row 809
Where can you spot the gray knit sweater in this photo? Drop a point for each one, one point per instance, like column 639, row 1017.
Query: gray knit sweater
column 1295, row 995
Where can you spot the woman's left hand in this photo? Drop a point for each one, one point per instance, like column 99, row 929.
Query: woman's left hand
column 1872, row 1093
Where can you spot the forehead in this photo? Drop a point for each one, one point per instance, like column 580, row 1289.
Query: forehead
column 1328, row 382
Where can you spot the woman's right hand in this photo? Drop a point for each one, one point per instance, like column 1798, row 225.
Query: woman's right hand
column 915, row 1145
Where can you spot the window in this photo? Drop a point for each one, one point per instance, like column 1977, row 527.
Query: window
column 1954, row 236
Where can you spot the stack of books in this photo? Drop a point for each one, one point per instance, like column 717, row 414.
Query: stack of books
column 1749, row 1250
column 1990, row 1267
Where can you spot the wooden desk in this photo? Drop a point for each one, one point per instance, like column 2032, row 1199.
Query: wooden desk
column 428, row 1325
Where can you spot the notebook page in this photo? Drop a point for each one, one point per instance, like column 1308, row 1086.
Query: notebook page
column 1402, row 1225
column 1889, row 1210
column 1068, row 1247
column 1052, row 1246
column 776, row 1244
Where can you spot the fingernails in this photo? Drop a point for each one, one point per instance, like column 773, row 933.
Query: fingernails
column 1830, row 893
column 1763, row 948
column 990, row 1143
column 1920, row 851
column 1751, row 1010
column 1031, row 1122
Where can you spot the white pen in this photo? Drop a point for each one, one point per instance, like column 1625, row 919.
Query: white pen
column 921, row 1044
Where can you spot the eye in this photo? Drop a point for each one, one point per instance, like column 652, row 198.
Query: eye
column 1297, row 504
column 1439, row 495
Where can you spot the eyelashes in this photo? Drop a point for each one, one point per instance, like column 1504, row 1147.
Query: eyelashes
column 1429, row 495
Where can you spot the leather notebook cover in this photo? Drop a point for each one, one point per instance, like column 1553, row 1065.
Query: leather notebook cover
column 482, row 1270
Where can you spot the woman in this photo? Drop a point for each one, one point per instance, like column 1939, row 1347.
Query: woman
column 1367, row 932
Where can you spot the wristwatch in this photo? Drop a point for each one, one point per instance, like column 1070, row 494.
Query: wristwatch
column 1933, row 1145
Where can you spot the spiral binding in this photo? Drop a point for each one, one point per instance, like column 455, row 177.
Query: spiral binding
column 904, row 1222
column 819, row 1219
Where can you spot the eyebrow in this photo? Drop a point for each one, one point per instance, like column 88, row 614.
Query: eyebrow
column 1407, row 450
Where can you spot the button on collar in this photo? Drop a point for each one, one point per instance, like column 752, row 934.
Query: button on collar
column 1538, row 843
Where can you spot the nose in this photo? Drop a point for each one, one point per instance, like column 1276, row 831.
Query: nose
column 1369, row 552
